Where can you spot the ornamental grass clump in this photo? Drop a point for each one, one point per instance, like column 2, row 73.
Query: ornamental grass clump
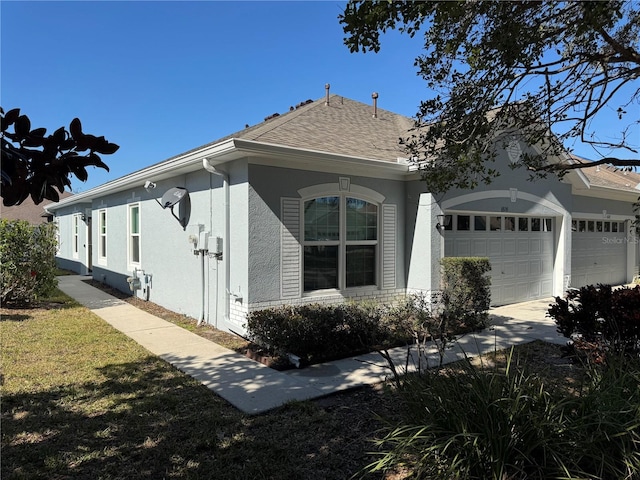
column 467, row 422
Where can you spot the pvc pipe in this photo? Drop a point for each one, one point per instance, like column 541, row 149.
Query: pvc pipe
column 227, row 228
column 202, row 289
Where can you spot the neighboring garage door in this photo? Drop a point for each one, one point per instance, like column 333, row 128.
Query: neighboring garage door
column 598, row 252
column 519, row 248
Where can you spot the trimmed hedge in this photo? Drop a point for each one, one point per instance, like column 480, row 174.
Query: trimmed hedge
column 466, row 294
column 317, row 331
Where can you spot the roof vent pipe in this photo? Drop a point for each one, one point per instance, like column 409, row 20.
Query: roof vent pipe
column 374, row 95
column 326, row 87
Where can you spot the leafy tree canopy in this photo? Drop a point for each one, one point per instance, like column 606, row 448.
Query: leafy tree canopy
column 35, row 164
column 493, row 66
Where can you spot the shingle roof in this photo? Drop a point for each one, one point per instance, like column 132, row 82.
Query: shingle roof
column 343, row 127
column 29, row 211
column 610, row 177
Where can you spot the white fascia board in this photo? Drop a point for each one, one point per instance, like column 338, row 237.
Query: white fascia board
column 188, row 162
column 608, row 193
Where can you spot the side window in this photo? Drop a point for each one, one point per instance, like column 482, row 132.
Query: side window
column 102, row 234
column 75, row 232
column 134, row 234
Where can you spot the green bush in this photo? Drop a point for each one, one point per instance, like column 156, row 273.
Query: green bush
column 466, row 294
column 315, row 332
column 472, row 423
column 27, row 260
column 606, row 319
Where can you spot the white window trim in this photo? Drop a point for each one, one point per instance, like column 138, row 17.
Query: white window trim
column 131, row 264
column 342, row 243
column 75, row 234
column 102, row 236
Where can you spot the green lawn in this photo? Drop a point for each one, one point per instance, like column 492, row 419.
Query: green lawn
column 82, row 400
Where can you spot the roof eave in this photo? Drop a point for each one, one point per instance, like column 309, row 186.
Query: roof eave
column 217, row 154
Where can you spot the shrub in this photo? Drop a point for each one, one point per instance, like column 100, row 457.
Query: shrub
column 472, row 423
column 605, row 318
column 27, row 260
column 466, row 294
column 318, row 331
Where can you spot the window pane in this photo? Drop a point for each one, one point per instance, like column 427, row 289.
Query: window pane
column 614, row 227
column 590, row 226
column 535, row 225
column 362, row 220
column 479, row 222
column 607, row 226
column 523, row 224
column 547, row 224
column 135, row 220
column 135, row 249
column 361, row 263
column 495, row 223
column 510, row 224
column 103, row 246
column 598, row 226
column 464, row 222
column 320, row 267
column 582, row 226
column 322, row 219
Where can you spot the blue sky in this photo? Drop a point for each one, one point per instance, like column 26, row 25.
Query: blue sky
column 161, row 78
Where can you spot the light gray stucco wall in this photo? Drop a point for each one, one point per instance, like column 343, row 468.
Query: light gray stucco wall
column 65, row 257
column 267, row 186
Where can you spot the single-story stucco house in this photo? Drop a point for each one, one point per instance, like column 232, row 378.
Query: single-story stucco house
column 320, row 204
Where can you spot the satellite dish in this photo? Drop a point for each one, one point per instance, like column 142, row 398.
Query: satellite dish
column 172, row 197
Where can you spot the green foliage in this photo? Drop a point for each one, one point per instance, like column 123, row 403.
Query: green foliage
column 319, row 331
column 26, row 260
column 606, row 319
column 473, row 423
column 500, row 71
column 33, row 164
column 466, row 294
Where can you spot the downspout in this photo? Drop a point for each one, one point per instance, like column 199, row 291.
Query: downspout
column 202, row 289
column 225, row 246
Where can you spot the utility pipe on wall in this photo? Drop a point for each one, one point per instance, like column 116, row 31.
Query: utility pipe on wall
column 225, row 246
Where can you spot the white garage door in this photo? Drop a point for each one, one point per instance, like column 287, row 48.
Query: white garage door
column 598, row 252
column 519, row 248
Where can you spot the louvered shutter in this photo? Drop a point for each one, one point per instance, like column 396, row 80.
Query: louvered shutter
column 290, row 250
column 389, row 246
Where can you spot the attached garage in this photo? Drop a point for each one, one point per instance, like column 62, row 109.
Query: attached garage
column 520, row 249
column 598, row 252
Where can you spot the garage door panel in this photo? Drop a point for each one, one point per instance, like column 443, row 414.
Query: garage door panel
column 508, row 269
column 480, row 248
column 523, row 246
column 521, row 262
column 535, row 246
column 508, row 247
column 522, row 269
column 535, row 266
column 462, row 248
column 598, row 257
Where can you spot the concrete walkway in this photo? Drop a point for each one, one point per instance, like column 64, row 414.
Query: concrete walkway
column 255, row 388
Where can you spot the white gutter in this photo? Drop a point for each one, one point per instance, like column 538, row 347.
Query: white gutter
column 225, row 246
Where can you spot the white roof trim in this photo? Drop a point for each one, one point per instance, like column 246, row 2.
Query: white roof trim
column 217, row 154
